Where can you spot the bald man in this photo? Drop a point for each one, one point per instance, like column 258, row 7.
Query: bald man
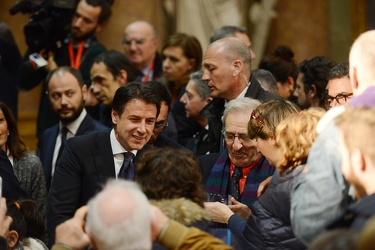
column 227, row 72
column 140, row 45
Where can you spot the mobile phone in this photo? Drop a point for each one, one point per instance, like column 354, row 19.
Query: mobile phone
column 38, row 60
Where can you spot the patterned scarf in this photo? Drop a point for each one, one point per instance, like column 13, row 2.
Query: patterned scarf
column 218, row 182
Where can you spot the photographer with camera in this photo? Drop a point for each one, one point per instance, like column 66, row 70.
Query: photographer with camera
column 77, row 50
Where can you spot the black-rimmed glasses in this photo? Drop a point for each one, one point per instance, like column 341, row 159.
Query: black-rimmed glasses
column 340, row 98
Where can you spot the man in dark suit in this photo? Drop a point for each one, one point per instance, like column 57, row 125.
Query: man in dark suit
column 67, row 94
column 89, row 160
column 227, row 71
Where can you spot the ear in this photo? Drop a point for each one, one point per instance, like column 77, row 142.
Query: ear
column 312, row 92
column 122, row 77
column 354, row 79
column 156, row 43
column 84, row 91
column 237, row 67
column 99, row 27
column 12, row 239
column 115, row 117
column 290, row 83
column 208, row 100
column 191, row 64
column 357, row 160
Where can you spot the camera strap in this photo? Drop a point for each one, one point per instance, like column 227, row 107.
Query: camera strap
column 75, row 61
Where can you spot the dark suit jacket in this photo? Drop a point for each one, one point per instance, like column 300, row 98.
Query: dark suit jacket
column 47, row 143
column 11, row 189
column 84, row 167
column 206, row 163
column 214, row 111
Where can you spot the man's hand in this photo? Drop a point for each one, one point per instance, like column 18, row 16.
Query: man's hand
column 5, row 220
column 71, row 232
column 240, row 209
column 219, row 212
column 158, row 222
column 263, row 186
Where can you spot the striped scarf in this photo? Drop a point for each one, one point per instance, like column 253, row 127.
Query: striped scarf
column 219, row 179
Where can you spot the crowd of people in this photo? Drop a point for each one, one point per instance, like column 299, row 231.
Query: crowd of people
column 189, row 148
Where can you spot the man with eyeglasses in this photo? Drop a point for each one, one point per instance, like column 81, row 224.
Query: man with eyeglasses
column 241, row 155
column 338, row 89
column 165, row 132
column 140, row 45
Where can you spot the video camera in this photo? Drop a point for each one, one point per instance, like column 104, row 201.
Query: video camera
column 48, row 24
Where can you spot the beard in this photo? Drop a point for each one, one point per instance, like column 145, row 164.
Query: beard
column 77, row 36
column 77, row 112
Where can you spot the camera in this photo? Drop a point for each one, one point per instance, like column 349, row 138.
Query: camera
column 48, row 24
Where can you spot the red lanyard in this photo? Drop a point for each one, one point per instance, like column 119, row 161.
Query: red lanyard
column 75, row 62
column 145, row 78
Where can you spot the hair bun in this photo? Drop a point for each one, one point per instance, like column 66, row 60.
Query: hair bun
column 284, row 52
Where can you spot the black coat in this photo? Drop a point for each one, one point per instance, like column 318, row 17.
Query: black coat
column 214, row 111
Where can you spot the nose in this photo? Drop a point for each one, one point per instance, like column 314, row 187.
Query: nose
column 295, row 93
column 183, row 98
column 205, row 76
column 64, row 99
column 96, row 88
column 77, row 22
column 166, row 63
column 142, row 127
column 253, row 56
column 237, row 145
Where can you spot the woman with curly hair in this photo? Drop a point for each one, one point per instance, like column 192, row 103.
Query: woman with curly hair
column 27, row 167
column 284, row 136
column 171, row 180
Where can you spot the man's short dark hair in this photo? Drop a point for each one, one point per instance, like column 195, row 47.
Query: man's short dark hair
column 66, row 69
column 162, row 91
column 115, row 62
column 315, row 72
column 202, row 88
column 339, row 71
column 226, row 31
column 105, row 6
column 134, row 90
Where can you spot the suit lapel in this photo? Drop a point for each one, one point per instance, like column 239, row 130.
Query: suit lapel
column 103, row 158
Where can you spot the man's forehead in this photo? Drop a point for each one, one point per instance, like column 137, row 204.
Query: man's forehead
column 138, row 30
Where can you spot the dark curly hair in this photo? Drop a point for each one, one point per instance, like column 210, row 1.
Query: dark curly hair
column 167, row 173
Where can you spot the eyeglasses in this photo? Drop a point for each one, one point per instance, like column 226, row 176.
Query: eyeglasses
column 136, row 41
column 160, row 126
column 229, row 137
column 340, row 98
column 252, row 116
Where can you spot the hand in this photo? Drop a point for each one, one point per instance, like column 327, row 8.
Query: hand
column 263, row 186
column 71, row 232
column 5, row 220
column 51, row 65
column 219, row 212
column 158, row 221
column 240, row 209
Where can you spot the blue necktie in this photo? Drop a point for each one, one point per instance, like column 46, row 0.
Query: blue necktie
column 127, row 169
column 234, row 184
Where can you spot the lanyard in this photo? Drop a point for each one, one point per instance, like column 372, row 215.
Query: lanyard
column 75, row 62
column 145, row 78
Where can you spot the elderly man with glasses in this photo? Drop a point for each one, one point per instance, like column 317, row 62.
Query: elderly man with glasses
column 240, row 168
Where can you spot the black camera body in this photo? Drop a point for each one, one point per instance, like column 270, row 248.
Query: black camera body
column 49, row 22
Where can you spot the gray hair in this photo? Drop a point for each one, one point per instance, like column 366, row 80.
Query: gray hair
column 119, row 217
column 226, row 31
column 202, row 88
column 242, row 105
column 266, row 79
column 339, row 71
